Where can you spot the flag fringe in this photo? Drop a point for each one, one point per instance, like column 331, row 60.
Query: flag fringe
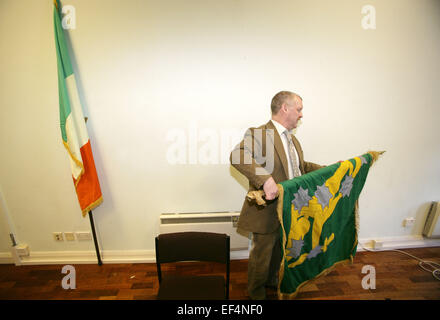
column 289, row 296
column 280, row 218
column 356, row 217
column 92, row 206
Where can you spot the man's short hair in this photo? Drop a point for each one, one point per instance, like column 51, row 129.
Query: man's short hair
column 280, row 98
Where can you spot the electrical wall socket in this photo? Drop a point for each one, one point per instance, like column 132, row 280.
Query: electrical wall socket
column 70, row 236
column 58, row 236
column 84, row 235
column 409, row 222
column 377, row 244
column 22, row 250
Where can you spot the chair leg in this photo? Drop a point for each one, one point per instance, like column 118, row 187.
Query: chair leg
column 159, row 273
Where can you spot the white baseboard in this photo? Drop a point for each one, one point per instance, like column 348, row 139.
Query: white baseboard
column 239, row 254
column 148, row 256
column 89, row 257
column 403, row 242
column 6, row 258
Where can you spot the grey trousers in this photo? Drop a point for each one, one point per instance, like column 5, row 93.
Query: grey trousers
column 264, row 263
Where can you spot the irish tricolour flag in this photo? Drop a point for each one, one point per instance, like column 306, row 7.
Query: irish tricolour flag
column 73, row 126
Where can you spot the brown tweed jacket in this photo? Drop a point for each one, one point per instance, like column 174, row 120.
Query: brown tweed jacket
column 252, row 157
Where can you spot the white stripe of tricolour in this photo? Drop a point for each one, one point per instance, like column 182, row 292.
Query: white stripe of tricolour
column 76, row 130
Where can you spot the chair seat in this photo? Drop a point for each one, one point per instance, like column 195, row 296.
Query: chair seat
column 192, row 288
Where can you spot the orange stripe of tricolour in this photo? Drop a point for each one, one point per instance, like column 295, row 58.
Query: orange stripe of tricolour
column 88, row 189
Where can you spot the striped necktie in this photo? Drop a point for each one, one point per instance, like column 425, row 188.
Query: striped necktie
column 292, row 155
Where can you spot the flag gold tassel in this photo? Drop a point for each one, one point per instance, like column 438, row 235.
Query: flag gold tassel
column 375, row 155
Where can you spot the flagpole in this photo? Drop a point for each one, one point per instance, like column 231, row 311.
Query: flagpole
column 94, row 238
column 75, row 137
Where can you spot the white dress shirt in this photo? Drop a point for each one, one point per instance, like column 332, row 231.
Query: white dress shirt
column 280, row 129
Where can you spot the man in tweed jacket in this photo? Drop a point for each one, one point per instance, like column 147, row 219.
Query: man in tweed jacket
column 267, row 156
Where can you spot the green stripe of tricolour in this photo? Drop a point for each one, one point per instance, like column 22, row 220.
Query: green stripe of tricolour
column 64, row 70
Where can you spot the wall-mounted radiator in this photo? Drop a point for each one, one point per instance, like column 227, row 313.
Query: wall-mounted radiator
column 432, row 224
column 219, row 222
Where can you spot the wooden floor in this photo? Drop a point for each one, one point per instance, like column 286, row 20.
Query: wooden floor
column 398, row 277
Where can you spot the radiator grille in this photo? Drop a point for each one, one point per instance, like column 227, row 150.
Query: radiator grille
column 219, row 222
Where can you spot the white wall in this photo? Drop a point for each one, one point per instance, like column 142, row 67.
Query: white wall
column 147, row 69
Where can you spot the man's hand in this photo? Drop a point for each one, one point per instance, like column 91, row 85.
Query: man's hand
column 270, row 189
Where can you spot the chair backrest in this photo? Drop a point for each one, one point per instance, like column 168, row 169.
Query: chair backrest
column 193, row 246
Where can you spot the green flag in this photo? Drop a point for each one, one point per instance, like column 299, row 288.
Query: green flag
column 317, row 215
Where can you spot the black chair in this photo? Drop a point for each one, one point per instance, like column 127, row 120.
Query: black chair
column 192, row 246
